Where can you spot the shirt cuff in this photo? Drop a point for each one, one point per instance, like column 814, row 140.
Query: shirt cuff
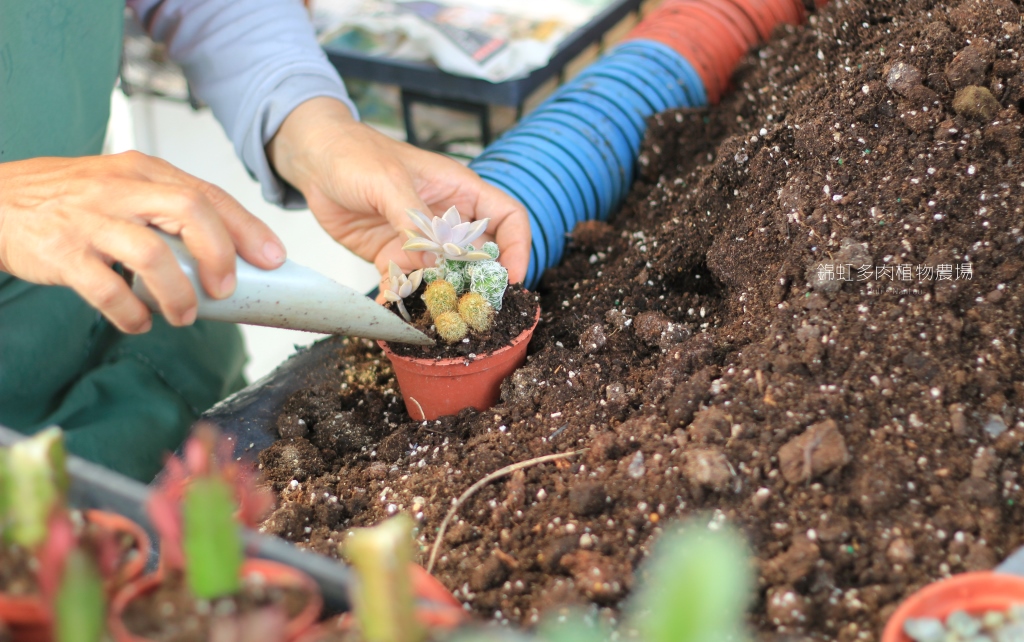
column 293, row 89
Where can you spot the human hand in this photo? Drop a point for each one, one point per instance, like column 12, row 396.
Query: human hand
column 66, row 221
column 359, row 184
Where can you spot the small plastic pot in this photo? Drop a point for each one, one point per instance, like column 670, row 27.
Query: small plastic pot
column 436, row 609
column 133, row 568
column 971, row 592
column 738, row 19
column 28, row 617
column 759, row 14
column 273, row 574
column 434, row 388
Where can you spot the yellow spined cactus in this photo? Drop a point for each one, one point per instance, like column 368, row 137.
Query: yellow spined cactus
column 476, row 311
column 450, row 327
column 440, row 297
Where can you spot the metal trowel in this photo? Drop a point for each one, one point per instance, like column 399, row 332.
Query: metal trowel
column 292, row 297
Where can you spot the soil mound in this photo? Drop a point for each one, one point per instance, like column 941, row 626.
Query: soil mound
column 806, row 321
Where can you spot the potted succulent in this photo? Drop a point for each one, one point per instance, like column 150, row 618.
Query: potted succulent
column 205, row 587
column 695, row 588
column 385, row 591
column 984, row 605
column 57, row 565
column 461, row 305
column 75, row 577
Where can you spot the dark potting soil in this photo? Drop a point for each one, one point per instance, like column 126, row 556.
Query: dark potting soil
column 172, row 614
column 864, row 431
column 18, row 566
column 17, row 571
column 518, row 309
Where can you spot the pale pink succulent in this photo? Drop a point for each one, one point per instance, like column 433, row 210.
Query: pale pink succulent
column 400, row 286
column 446, row 236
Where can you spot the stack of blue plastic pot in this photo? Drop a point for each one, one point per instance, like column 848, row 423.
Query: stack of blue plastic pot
column 572, row 159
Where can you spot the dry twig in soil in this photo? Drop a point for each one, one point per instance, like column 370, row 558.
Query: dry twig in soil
column 501, row 472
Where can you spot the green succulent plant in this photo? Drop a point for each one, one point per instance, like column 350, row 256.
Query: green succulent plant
column 458, row 261
column 383, row 598
column 34, row 481
column 476, row 312
column 695, row 588
column 440, row 297
column 489, row 279
column 451, row 327
column 34, row 515
column 457, row 279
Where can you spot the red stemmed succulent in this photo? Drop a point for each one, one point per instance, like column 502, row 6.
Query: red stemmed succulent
column 202, row 483
column 61, row 542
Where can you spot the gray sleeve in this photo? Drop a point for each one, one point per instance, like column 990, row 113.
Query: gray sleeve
column 253, row 62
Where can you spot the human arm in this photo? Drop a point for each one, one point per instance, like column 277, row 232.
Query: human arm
column 359, row 183
column 259, row 67
column 253, row 63
column 66, row 221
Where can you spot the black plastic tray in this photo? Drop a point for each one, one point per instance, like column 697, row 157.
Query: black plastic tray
column 427, row 79
column 249, row 415
column 93, row 486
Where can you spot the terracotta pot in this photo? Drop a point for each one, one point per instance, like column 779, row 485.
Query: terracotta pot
column 434, row 388
column 28, row 617
column 273, row 573
column 436, row 608
column 133, row 568
column 971, row 592
column 428, row 588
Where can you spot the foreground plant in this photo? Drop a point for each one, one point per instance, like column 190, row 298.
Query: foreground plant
column 465, row 287
column 35, row 485
column 206, row 585
column 74, row 580
column 383, row 599
column 695, row 588
column 401, row 286
column 74, row 564
column 198, row 509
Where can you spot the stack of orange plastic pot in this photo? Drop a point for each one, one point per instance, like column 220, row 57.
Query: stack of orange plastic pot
column 714, row 35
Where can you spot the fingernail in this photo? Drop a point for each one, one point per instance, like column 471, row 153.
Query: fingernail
column 274, row 252
column 227, row 286
column 146, row 327
column 190, row 316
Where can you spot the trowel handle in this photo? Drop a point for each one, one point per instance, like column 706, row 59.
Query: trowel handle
column 258, row 295
column 292, row 297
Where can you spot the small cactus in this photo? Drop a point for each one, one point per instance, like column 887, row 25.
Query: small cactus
column 490, row 248
column 450, row 327
column 476, row 311
column 430, row 275
column 489, row 279
column 458, row 281
column 457, row 273
column 440, row 297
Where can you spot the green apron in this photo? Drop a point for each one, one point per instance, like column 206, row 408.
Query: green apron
column 125, row 401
